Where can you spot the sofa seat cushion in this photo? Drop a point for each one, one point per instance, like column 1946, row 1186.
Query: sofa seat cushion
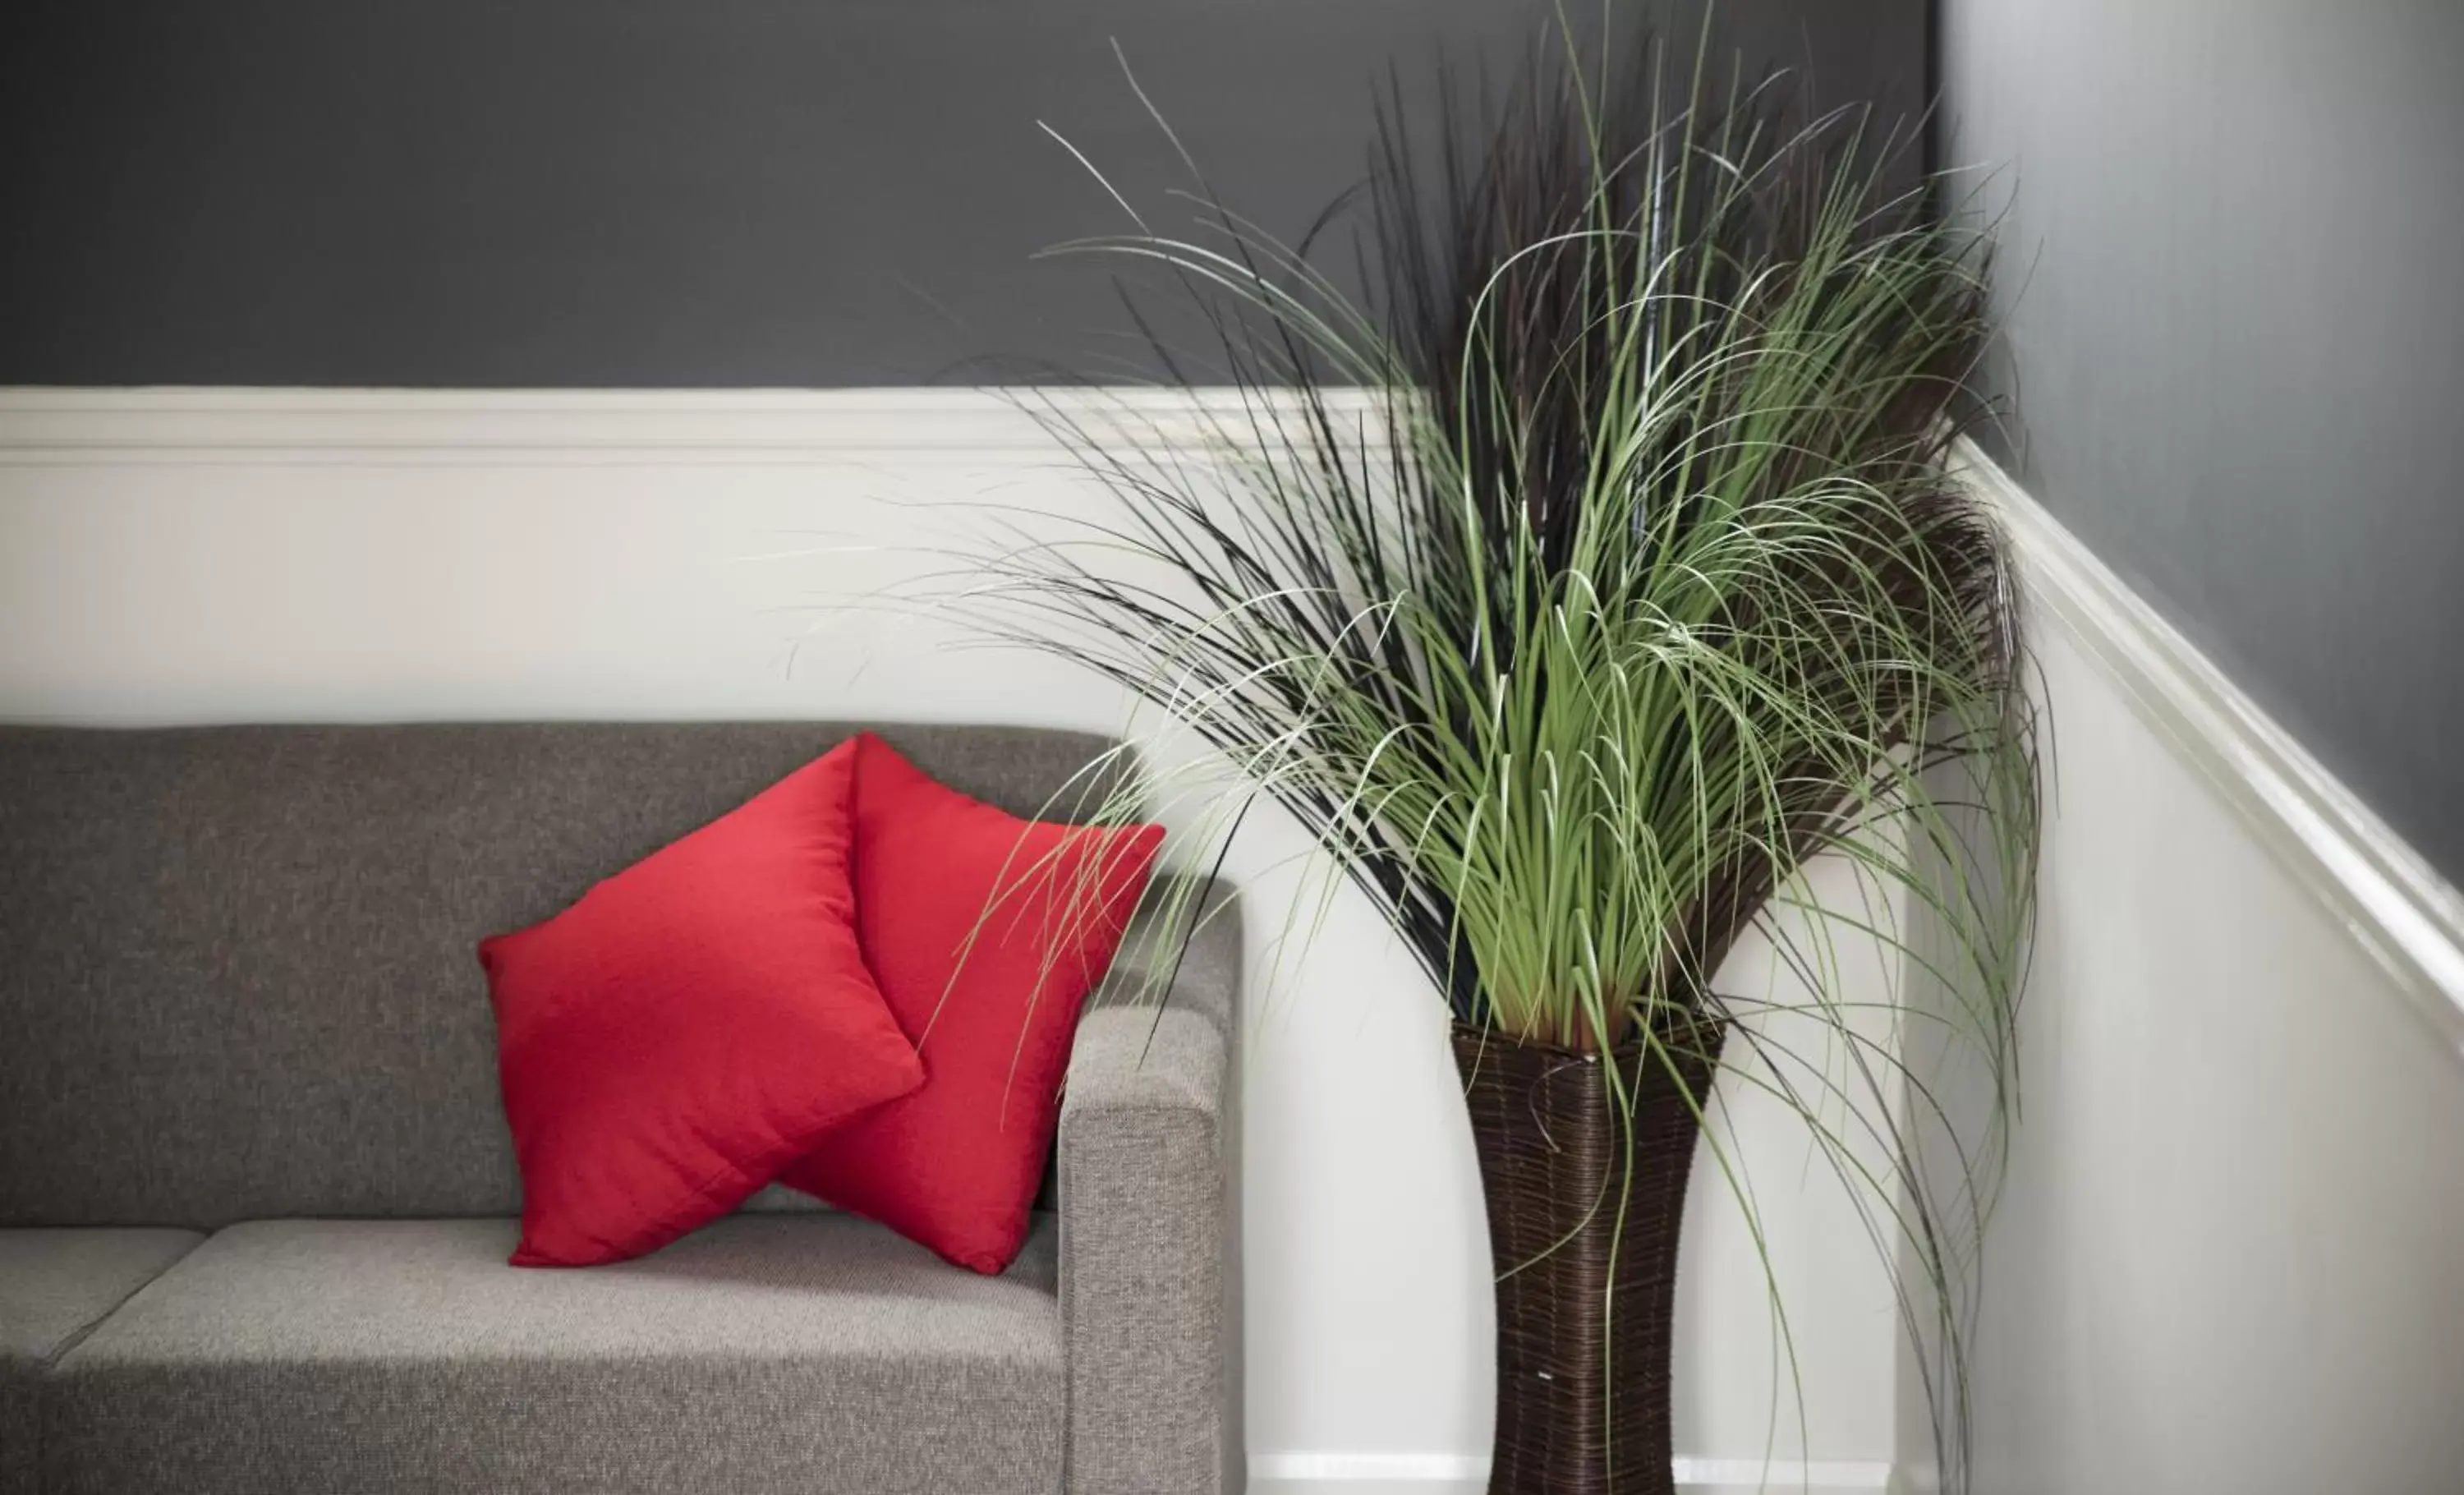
column 55, row 1286
column 808, row 1353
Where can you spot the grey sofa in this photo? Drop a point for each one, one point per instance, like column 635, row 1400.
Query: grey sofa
column 257, row 1194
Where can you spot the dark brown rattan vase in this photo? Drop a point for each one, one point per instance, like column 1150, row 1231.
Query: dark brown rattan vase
column 1582, row 1373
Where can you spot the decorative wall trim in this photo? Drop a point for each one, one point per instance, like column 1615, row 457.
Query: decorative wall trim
column 172, row 425
column 1439, row 1471
column 1449, row 1473
column 2390, row 900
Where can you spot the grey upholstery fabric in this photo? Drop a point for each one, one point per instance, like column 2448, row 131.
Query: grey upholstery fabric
column 237, row 969
column 814, row 1353
column 1150, row 1228
column 54, row 1286
column 237, row 980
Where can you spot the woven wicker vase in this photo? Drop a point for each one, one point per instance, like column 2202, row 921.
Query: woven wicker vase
column 1583, row 1375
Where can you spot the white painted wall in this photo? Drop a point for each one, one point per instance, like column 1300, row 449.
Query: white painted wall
column 2230, row 1256
column 169, row 555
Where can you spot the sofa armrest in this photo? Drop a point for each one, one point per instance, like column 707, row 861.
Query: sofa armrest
column 1150, row 1224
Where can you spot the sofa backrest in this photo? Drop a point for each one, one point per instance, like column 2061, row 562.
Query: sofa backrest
column 237, row 977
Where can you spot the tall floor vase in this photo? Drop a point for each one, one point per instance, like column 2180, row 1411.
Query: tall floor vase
column 1582, row 1371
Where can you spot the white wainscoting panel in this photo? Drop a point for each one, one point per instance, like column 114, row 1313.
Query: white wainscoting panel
column 2230, row 1256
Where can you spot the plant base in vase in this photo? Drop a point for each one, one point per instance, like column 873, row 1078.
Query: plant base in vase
column 1586, row 1194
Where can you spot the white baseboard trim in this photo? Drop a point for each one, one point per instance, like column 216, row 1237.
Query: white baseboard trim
column 1354, row 1468
column 2383, row 892
column 1444, row 1474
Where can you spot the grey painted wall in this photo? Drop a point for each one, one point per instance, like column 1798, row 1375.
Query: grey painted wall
column 675, row 192
column 2234, row 286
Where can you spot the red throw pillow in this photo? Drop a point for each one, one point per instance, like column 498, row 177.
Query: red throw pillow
column 956, row 1166
column 690, row 1025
